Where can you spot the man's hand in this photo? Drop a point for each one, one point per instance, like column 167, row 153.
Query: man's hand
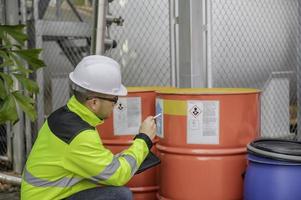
column 148, row 127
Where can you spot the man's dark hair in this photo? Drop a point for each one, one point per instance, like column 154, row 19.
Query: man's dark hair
column 81, row 94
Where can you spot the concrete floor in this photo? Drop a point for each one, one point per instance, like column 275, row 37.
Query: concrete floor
column 10, row 196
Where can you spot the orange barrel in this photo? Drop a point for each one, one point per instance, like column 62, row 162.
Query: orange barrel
column 204, row 133
column 118, row 131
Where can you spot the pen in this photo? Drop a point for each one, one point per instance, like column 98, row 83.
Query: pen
column 158, row 115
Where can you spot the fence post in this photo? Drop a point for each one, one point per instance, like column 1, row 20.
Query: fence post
column 13, row 18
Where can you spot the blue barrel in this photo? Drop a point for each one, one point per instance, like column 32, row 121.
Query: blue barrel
column 274, row 170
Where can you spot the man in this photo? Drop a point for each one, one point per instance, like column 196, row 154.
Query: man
column 68, row 159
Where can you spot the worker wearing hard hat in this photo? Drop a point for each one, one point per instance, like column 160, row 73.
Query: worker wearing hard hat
column 68, row 159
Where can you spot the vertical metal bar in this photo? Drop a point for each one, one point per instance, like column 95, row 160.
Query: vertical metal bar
column 177, row 43
column 40, row 72
column 58, row 11
column 198, row 43
column 9, row 139
column 2, row 11
column 173, row 42
column 23, row 12
column 12, row 12
column 12, row 8
column 209, row 43
column 184, row 44
column 100, row 10
column 8, row 125
column 40, row 96
column 299, row 73
column 28, row 139
column 192, row 43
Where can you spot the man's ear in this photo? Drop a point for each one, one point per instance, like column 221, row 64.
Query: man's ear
column 91, row 104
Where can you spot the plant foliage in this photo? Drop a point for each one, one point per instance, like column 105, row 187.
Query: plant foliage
column 17, row 64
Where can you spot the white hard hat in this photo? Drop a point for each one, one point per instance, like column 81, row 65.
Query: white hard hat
column 99, row 74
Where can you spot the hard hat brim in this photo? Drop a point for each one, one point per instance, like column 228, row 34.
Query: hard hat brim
column 122, row 91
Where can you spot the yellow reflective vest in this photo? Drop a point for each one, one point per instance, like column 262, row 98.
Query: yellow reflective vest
column 68, row 156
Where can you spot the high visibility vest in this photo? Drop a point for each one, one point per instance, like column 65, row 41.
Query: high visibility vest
column 68, row 156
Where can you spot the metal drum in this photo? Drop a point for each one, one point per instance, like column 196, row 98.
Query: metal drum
column 118, row 131
column 203, row 137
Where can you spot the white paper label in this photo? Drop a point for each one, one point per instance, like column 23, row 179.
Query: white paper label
column 159, row 120
column 127, row 116
column 203, row 122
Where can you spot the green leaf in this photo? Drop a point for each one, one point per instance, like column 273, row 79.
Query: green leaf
column 8, row 80
column 7, row 43
column 3, row 92
column 18, row 64
column 17, row 46
column 16, row 59
column 8, row 110
column 21, row 69
column 26, row 103
column 4, row 54
column 30, row 85
column 15, row 31
column 7, row 63
column 32, row 57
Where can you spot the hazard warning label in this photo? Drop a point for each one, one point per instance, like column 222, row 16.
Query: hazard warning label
column 127, row 116
column 202, row 122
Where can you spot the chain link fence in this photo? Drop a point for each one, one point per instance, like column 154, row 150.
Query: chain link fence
column 62, row 50
column 143, row 41
column 142, row 50
column 254, row 44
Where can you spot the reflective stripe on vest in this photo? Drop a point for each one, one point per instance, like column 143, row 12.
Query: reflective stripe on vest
column 68, row 182
column 38, row 182
column 113, row 166
column 132, row 163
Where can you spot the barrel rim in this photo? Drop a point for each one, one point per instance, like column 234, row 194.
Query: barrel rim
column 278, row 145
column 272, row 155
column 208, row 91
column 147, row 88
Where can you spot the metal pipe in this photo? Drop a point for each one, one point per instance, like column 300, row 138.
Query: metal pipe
column 98, row 36
column 117, row 20
column 10, row 179
column 4, row 158
column 110, row 44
